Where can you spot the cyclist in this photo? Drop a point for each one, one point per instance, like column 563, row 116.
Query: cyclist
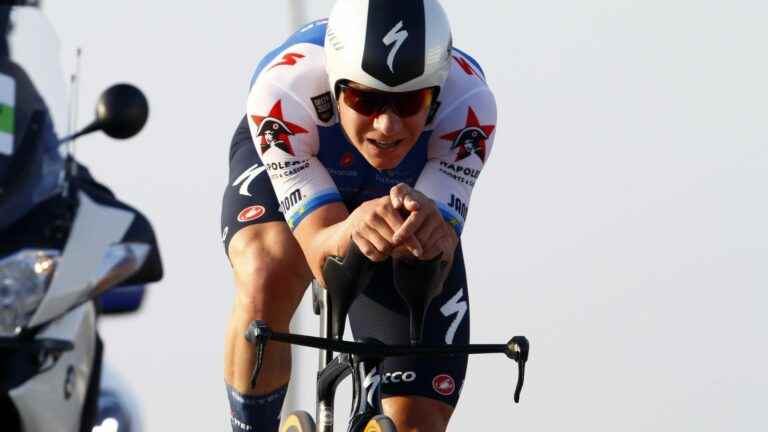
column 367, row 127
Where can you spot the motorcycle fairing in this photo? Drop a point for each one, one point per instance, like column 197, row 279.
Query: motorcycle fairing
column 53, row 400
column 95, row 228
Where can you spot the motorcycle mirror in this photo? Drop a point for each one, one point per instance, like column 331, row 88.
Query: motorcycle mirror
column 121, row 112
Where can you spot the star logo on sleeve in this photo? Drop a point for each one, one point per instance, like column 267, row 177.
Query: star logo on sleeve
column 274, row 130
column 470, row 139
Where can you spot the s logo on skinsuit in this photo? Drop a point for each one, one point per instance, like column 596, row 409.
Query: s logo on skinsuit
column 251, row 213
column 274, row 130
column 225, row 233
column 247, row 177
column 470, row 139
column 444, row 384
column 454, row 306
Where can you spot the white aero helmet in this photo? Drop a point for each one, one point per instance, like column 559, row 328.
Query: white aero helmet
column 389, row 45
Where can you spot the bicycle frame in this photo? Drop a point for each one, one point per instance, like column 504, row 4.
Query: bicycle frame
column 332, row 371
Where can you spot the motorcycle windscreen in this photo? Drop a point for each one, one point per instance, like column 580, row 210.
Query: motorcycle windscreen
column 32, row 106
column 31, row 42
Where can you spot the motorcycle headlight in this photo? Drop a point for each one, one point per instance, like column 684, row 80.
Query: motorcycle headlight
column 24, row 279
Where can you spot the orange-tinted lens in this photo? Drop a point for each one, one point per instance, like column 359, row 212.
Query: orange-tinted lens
column 369, row 103
column 410, row 103
column 364, row 102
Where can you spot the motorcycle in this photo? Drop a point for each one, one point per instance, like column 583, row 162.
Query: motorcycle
column 79, row 255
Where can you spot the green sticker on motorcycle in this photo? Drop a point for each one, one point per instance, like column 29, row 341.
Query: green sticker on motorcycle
column 7, row 115
column 6, row 119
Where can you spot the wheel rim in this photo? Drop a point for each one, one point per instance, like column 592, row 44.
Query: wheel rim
column 291, row 424
column 380, row 423
column 298, row 422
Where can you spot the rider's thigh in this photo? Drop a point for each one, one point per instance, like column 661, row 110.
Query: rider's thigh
column 380, row 313
column 416, row 413
column 270, row 271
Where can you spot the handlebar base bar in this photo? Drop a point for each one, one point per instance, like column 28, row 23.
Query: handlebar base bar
column 516, row 349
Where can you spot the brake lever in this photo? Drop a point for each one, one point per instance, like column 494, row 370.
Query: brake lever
column 517, row 349
column 258, row 334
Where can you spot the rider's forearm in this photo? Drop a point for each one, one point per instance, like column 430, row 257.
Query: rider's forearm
column 326, row 232
column 330, row 241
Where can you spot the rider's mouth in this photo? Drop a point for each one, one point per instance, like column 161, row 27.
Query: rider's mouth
column 384, row 145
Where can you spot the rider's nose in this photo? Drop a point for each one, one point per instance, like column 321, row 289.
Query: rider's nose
column 387, row 122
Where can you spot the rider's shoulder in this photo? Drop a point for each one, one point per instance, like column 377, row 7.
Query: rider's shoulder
column 465, row 76
column 465, row 90
column 296, row 70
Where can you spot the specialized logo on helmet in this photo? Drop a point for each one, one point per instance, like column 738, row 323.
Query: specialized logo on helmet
column 274, row 130
column 470, row 139
column 397, row 37
column 392, row 54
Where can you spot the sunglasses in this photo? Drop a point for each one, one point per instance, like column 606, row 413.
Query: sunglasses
column 372, row 102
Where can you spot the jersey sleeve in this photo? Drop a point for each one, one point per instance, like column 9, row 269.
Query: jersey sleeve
column 458, row 149
column 285, row 134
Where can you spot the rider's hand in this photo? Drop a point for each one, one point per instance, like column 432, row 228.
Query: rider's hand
column 424, row 222
column 373, row 224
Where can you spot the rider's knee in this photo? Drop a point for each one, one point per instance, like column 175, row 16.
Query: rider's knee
column 269, row 268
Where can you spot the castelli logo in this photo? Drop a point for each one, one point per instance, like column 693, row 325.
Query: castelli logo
column 444, row 384
column 346, row 160
column 251, row 213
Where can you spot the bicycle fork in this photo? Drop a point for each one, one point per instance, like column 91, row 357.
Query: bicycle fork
column 366, row 377
column 366, row 390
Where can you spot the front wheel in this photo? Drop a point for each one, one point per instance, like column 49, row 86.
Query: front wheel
column 298, row 421
column 380, row 423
